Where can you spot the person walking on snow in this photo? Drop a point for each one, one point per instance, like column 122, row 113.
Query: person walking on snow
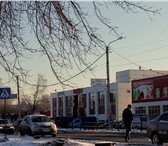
column 127, row 119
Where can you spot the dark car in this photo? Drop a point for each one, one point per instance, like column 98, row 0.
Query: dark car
column 84, row 122
column 157, row 129
column 62, row 122
column 6, row 127
column 111, row 124
column 36, row 125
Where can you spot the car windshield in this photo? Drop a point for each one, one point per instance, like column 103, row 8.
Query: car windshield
column 40, row 119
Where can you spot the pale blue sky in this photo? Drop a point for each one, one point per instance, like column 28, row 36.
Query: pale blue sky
column 145, row 44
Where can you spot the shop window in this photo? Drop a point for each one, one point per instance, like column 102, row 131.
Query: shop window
column 101, row 103
column 82, row 105
column 92, row 103
column 68, row 101
column 154, row 111
column 140, row 110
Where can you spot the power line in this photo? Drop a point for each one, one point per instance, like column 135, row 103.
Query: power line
column 154, row 59
column 148, row 51
column 70, row 77
column 126, row 58
column 142, row 44
column 138, row 55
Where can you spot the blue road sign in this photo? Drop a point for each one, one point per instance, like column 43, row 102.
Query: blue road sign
column 5, row 93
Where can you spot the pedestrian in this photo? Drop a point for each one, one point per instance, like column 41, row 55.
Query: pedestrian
column 127, row 119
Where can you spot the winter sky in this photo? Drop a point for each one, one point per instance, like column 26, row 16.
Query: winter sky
column 145, row 43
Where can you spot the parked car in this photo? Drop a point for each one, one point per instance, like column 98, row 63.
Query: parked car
column 6, row 126
column 84, row 122
column 140, row 121
column 157, row 129
column 111, row 124
column 37, row 125
column 63, row 122
column 76, row 123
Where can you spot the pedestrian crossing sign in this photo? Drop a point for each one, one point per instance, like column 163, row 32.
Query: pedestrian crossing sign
column 5, row 93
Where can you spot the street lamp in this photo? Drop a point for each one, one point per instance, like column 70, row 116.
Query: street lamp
column 108, row 111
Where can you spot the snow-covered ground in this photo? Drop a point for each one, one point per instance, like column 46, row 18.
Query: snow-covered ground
column 17, row 140
column 47, row 141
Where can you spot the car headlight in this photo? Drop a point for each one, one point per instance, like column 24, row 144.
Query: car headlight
column 53, row 126
column 11, row 127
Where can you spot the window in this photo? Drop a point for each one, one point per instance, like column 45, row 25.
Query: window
column 82, row 105
column 165, row 91
column 113, row 104
column 140, row 110
column 68, row 101
column 165, row 108
column 154, row 111
column 101, row 102
column 54, row 110
column 60, row 106
column 27, row 119
column 40, row 119
column 157, row 93
column 164, row 118
column 92, row 103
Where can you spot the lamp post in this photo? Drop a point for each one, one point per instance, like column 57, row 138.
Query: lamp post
column 108, row 111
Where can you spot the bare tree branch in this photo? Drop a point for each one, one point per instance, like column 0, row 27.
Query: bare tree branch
column 61, row 29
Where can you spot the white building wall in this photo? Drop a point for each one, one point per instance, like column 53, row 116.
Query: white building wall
column 123, row 91
column 129, row 75
column 124, row 98
column 95, row 90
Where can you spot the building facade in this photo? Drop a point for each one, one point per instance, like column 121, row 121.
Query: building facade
column 150, row 96
column 92, row 101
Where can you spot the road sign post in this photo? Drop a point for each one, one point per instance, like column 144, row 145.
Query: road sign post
column 5, row 93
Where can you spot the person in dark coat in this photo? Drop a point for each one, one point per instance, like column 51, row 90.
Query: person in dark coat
column 127, row 119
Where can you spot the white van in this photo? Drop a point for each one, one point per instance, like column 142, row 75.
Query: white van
column 140, row 121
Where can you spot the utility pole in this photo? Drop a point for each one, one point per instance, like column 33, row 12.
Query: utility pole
column 19, row 111
column 108, row 80
column 108, row 83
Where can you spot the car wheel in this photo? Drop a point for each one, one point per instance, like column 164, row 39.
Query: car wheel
column 36, row 136
column 53, row 135
column 21, row 132
column 30, row 132
column 156, row 139
column 13, row 132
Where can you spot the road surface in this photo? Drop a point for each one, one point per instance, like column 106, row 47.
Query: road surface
column 139, row 138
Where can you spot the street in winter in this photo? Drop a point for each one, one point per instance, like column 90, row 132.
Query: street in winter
column 67, row 137
column 83, row 64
